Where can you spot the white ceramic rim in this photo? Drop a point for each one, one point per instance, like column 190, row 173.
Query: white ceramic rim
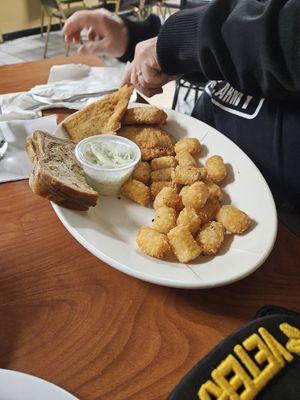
column 169, row 282
column 28, row 383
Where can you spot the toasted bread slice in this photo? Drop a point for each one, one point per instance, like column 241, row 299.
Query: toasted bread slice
column 103, row 116
column 144, row 115
column 56, row 175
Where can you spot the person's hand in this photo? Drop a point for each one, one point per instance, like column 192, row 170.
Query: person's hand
column 144, row 72
column 107, row 35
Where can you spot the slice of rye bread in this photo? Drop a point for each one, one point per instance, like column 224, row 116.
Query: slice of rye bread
column 103, row 116
column 56, row 175
column 144, row 115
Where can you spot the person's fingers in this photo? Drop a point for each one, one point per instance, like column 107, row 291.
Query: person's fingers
column 150, row 85
column 149, row 92
column 97, row 47
column 91, row 35
column 134, row 74
column 127, row 75
column 151, row 76
column 78, row 21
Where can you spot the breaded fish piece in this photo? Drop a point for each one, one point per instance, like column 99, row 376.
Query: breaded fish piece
column 162, row 174
column 211, row 237
column 136, row 191
column 152, row 242
column 164, row 219
column 233, row 219
column 142, row 172
column 103, row 116
column 144, row 115
column 183, row 244
column 216, row 169
column 156, row 187
column 163, row 162
column 153, row 141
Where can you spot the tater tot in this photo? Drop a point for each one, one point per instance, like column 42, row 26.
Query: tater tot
column 136, row 191
column 233, row 219
column 163, row 162
column 142, row 172
column 183, row 244
column 203, row 173
column 192, row 145
column 216, row 169
column 189, row 217
column 156, row 187
column 168, row 197
column 194, row 196
column 210, row 237
column 162, row 174
column 184, row 175
column 214, row 190
column 151, row 242
column 185, row 158
column 164, row 219
column 209, row 211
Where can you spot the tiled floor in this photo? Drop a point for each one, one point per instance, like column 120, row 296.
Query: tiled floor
column 31, row 48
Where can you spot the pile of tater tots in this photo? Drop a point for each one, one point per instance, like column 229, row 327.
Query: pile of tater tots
column 189, row 219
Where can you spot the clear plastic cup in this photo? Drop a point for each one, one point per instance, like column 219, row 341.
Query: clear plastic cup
column 107, row 181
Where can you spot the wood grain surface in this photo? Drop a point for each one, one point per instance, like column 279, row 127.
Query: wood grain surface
column 69, row 318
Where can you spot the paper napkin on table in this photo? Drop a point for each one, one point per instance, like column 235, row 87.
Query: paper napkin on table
column 72, row 86
column 15, row 164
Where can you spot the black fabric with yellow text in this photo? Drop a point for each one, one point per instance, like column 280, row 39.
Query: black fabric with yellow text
column 261, row 361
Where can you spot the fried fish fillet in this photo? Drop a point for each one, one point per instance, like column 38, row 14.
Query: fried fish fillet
column 103, row 116
column 144, row 115
column 153, row 141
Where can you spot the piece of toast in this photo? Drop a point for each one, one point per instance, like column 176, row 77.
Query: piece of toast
column 144, row 115
column 103, row 116
column 56, row 174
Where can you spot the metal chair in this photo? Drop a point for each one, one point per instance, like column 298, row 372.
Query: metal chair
column 168, row 6
column 54, row 9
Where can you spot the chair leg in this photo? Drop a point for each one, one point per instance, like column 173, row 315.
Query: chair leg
column 175, row 98
column 188, row 92
column 67, row 49
column 42, row 22
column 196, row 95
column 47, row 37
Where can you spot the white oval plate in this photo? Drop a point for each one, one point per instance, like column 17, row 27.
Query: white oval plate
column 18, row 386
column 108, row 230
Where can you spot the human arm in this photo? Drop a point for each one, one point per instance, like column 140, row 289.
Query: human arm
column 108, row 34
column 254, row 45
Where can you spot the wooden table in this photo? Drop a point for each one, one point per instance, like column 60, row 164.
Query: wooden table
column 71, row 319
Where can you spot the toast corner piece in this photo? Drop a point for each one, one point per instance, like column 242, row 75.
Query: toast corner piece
column 30, row 149
column 101, row 117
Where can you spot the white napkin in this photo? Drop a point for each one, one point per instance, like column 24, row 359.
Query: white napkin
column 65, row 81
column 15, row 164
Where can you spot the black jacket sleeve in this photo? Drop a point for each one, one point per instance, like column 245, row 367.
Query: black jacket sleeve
column 139, row 31
column 252, row 44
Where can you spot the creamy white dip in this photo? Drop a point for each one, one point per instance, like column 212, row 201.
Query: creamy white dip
column 107, row 161
column 108, row 154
